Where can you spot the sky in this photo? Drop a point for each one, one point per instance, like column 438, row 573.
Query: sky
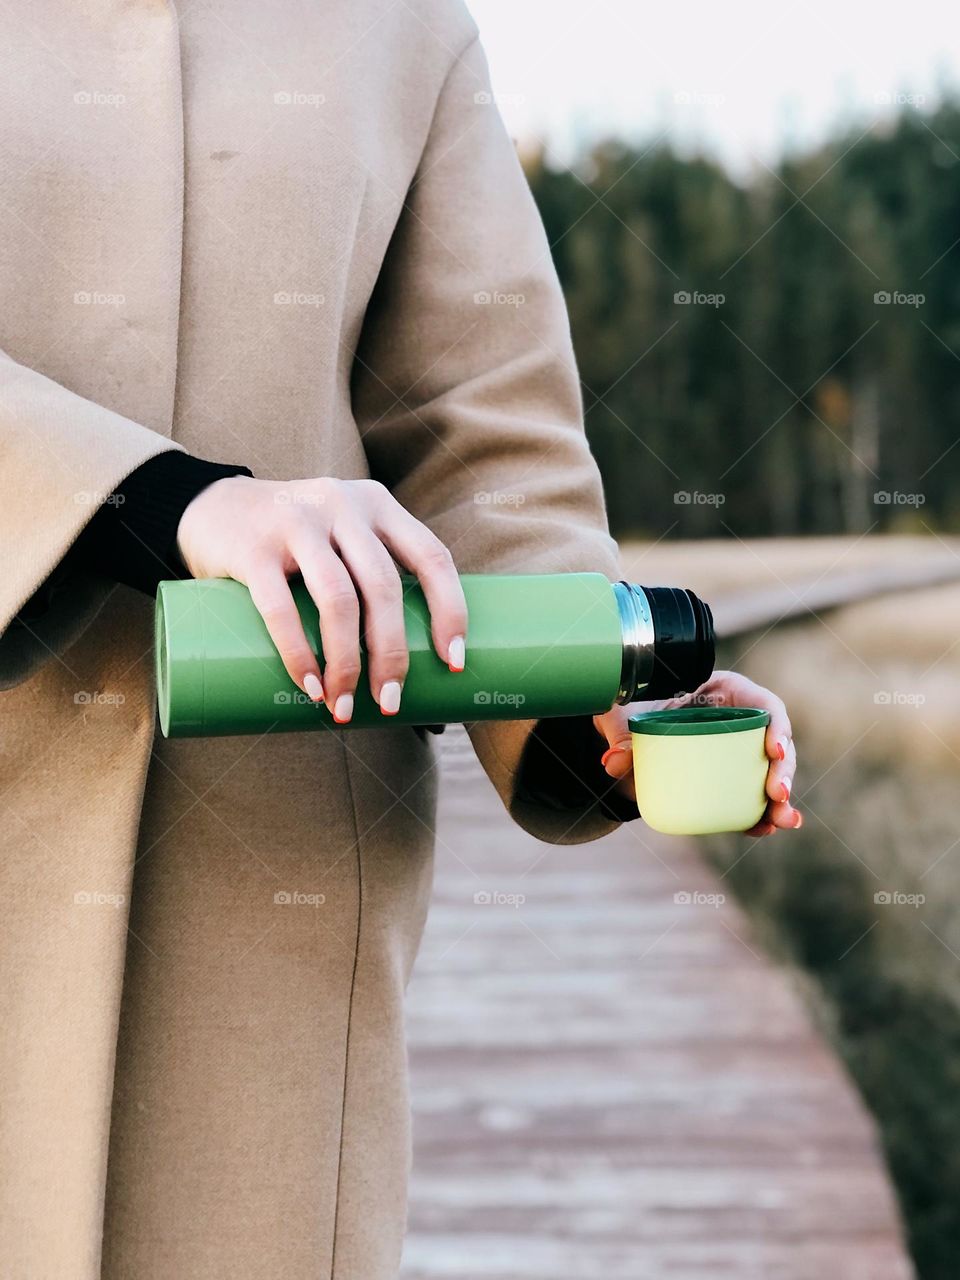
column 742, row 80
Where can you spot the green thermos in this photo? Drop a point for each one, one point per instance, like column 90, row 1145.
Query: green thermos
column 537, row 645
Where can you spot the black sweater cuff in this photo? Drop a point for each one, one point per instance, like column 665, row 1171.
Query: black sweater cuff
column 133, row 536
column 560, row 767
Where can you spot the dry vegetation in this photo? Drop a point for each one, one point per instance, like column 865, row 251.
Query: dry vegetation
column 874, row 692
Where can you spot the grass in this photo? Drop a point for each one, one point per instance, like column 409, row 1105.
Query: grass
column 874, row 692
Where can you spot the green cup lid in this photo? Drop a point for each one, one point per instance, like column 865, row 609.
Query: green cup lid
column 687, row 721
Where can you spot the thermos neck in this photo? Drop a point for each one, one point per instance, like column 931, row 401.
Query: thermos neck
column 637, row 633
column 668, row 641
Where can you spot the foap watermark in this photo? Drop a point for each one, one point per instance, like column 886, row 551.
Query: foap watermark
column 498, row 298
column 296, row 898
column 306, row 498
column 894, row 898
column 894, row 298
column 886, row 98
column 894, row 498
column 499, row 498
column 295, row 298
column 95, row 298
column 98, row 898
column 295, row 98
column 486, row 98
column 898, row 698
column 98, row 698
column 98, row 98
column 497, row 698
column 496, row 898
column 706, row 700
column 695, row 498
column 90, row 498
column 694, row 898
column 292, row 697
column 694, row 298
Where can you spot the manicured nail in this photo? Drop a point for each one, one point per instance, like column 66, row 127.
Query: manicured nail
column 457, row 654
column 781, row 748
column 390, row 697
column 313, row 687
column 343, row 708
column 797, row 820
column 785, row 789
column 611, row 751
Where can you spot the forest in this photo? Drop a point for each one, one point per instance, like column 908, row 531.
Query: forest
column 774, row 355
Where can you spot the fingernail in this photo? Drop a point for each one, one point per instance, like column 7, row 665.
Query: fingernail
column 313, row 687
column 781, row 748
column 785, row 784
column 611, row 751
column 390, row 697
column 343, row 708
column 797, row 820
column 457, row 654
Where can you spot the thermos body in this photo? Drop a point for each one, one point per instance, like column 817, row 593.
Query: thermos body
column 537, row 645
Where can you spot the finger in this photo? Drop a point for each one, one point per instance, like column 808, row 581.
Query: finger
column 626, row 787
column 618, row 760
column 373, row 570
column 422, row 552
column 779, row 735
column 763, row 828
column 784, row 816
column 780, row 775
column 613, row 725
column 270, row 592
column 333, row 592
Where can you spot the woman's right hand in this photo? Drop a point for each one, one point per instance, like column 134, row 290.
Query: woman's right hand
column 344, row 537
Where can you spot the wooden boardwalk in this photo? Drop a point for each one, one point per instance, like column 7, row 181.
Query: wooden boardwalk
column 754, row 586
column 611, row 1081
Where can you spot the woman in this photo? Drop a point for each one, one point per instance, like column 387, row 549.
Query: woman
column 262, row 234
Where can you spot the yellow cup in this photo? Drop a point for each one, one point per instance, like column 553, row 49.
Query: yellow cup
column 699, row 770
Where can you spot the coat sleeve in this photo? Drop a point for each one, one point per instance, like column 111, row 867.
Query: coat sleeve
column 132, row 538
column 467, row 395
column 61, row 458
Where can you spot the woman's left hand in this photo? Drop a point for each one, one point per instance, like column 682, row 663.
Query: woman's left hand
column 723, row 689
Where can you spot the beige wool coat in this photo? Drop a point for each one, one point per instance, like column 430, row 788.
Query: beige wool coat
column 265, row 233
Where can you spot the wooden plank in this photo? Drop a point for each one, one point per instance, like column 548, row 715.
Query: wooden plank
column 502, row 1256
